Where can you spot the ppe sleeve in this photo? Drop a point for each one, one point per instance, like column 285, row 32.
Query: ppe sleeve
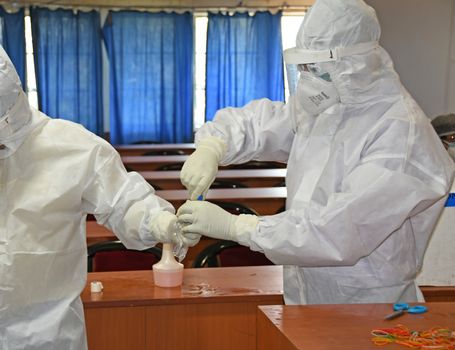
column 373, row 203
column 261, row 130
column 123, row 202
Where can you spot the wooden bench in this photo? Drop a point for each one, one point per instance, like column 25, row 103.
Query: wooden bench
column 170, row 180
column 146, row 163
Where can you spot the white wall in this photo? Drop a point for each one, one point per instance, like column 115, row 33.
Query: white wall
column 420, row 38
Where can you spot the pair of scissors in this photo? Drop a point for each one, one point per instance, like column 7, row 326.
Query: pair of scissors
column 400, row 308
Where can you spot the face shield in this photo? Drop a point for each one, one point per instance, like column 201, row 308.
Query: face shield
column 297, row 55
column 314, row 87
column 295, row 58
column 15, row 113
column 7, row 101
column 9, row 94
column 10, row 89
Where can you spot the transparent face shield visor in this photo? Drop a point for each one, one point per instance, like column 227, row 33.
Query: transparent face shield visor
column 295, row 59
column 293, row 74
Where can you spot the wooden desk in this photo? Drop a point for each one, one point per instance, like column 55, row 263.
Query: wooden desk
column 137, row 150
column 170, row 180
column 339, row 327
column 214, row 309
column 438, row 293
column 265, row 200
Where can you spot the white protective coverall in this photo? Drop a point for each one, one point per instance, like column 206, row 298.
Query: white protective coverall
column 52, row 173
column 366, row 178
column 439, row 262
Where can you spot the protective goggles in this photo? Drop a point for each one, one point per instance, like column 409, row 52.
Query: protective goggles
column 302, row 56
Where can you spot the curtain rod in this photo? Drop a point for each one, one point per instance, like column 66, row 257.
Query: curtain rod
column 53, row 4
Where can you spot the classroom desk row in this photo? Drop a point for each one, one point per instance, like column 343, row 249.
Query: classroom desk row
column 138, row 150
column 217, row 308
column 145, row 163
column 170, row 180
column 265, row 200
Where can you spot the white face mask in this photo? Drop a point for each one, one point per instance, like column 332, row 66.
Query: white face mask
column 450, row 149
column 315, row 94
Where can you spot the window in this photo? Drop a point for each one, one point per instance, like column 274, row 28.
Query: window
column 200, row 51
column 30, row 64
column 290, row 24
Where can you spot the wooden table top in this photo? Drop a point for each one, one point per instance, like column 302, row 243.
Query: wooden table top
column 202, row 285
column 344, row 327
column 222, row 174
column 229, row 193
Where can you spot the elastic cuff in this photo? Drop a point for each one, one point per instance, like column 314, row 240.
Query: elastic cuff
column 245, row 225
column 214, row 144
column 160, row 227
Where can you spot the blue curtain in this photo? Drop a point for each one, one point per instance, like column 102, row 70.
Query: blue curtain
column 244, row 60
column 151, row 76
column 14, row 40
column 67, row 48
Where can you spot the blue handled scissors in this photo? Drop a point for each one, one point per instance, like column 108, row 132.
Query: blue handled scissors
column 400, row 308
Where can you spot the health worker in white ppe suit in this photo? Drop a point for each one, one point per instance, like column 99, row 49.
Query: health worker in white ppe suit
column 439, row 261
column 366, row 174
column 52, row 173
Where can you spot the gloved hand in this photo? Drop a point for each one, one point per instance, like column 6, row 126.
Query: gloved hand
column 201, row 167
column 165, row 229
column 205, row 218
